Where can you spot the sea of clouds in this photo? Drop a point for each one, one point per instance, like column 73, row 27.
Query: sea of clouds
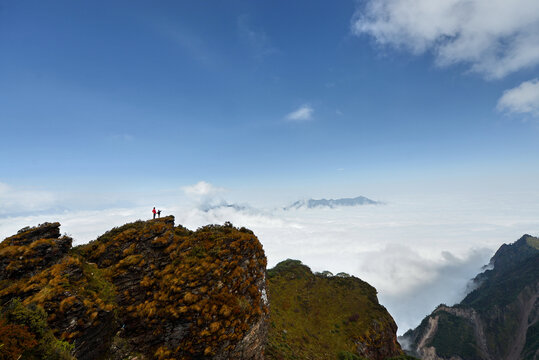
column 417, row 251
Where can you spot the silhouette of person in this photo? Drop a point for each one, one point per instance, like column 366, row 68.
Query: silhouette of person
column 154, row 212
column 158, row 213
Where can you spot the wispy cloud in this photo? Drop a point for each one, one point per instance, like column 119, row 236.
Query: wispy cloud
column 303, row 113
column 257, row 40
column 427, row 282
column 523, row 99
column 192, row 44
column 494, row 38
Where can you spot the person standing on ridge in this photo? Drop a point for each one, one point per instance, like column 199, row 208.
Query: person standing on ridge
column 154, row 212
column 158, row 213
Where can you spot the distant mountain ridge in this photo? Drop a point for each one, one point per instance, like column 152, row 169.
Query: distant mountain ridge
column 497, row 320
column 332, row 203
column 225, row 205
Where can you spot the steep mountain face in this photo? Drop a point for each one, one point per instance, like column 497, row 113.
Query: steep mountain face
column 146, row 289
column 499, row 320
column 321, row 316
column 331, row 203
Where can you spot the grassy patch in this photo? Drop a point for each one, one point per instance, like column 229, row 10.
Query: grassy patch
column 321, row 316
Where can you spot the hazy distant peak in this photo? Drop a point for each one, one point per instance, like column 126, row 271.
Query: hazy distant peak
column 332, row 203
column 225, row 205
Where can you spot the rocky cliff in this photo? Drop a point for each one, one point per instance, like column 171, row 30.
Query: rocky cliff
column 321, row 316
column 146, row 290
column 499, row 320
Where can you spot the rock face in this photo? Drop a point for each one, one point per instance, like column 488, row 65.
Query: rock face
column 321, row 316
column 38, row 268
column 32, row 250
column 146, row 289
column 499, row 320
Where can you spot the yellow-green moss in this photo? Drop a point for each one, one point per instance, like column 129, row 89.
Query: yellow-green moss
column 147, row 273
column 317, row 316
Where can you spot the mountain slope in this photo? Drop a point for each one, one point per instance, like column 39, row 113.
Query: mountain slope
column 498, row 320
column 146, row 289
column 316, row 316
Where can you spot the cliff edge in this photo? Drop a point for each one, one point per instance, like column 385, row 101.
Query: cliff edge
column 146, row 289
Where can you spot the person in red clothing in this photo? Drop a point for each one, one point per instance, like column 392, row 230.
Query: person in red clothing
column 154, row 212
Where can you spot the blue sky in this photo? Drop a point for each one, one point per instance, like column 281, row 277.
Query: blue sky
column 108, row 96
column 110, row 108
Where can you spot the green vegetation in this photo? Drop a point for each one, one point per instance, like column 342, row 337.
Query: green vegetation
column 532, row 242
column 455, row 336
column 532, row 343
column 25, row 333
column 502, row 288
column 316, row 316
column 290, row 269
column 345, row 355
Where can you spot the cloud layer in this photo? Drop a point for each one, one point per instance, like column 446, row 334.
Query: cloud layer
column 16, row 201
column 523, row 99
column 418, row 251
column 494, row 37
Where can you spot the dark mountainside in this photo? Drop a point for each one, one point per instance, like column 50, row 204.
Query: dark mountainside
column 321, row 316
column 152, row 290
column 499, row 320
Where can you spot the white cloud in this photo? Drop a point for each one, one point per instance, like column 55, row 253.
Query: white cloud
column 303, row 113
column 202, row 188
column 494, row 37
column 412, row 284
column 523, row 99
column 14, row 201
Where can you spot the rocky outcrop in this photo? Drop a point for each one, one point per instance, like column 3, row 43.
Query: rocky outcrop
column 146, row 290
column 38, row 268
column 32, row 250
column 498, row 320
column 321, row 316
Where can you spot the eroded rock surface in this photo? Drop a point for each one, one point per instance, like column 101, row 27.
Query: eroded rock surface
column 146, row 290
